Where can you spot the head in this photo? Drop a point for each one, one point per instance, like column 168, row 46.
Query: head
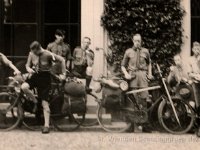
column 60, row 35
column 36, row 47
column 177, row 60
column 86, row 42
column 196, row 48
column 137, row 40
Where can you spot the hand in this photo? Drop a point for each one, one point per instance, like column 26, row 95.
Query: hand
column 172, row 68
column 62, row 77
column 127, row 76
column 17, row 72
column 184, row 79
column 150, row 77
column 31, row 71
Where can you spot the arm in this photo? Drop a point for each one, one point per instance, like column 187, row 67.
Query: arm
column 124, row 65
column 28, row 64
column 10, row 64
column 49, row 47
column 68, row 56
column 74, row 57
column 149, row 66
column 61, row 60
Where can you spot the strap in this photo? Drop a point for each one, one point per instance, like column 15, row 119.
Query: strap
column 138, row 59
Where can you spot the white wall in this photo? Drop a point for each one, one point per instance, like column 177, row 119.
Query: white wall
column 186, row 47
column 91, row 11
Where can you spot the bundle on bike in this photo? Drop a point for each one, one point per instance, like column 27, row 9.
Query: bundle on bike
column 66, row 99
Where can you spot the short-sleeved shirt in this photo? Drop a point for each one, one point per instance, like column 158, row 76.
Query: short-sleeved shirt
column 177, row 73
column 136, row 59
column 83, row 57
column 195, row 64
column 61, row 49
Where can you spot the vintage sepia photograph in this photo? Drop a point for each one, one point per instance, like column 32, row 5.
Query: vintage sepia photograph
column 99, row 74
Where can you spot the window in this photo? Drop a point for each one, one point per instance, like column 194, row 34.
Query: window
column 23, row 21
column 195, row 20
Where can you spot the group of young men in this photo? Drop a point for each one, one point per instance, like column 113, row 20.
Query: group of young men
column 136, row 66
column 56, row 59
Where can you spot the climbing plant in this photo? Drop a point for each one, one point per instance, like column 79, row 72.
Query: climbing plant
column 158, row 21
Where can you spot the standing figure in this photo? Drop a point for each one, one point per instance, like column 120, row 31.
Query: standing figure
column 84, row 60
column 59, row 47
column 136, row 66
column 195, row 74
column 39, row 65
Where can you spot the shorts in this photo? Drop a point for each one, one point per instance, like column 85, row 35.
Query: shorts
column 42, row 82
column 80, row 71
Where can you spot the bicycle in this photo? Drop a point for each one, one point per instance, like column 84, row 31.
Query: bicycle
column 126, row 110
column 66, row 121
column 8, row 112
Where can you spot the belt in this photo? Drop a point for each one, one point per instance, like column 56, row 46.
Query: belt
column 136, row 69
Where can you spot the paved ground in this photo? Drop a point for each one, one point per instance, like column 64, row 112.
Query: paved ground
column 26, row 140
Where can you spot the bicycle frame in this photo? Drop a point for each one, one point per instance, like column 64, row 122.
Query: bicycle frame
column 158, row 87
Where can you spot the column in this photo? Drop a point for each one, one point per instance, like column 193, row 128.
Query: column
column 91, row 11
column 186, row 47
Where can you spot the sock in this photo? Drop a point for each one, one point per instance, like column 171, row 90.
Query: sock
column 46, row 111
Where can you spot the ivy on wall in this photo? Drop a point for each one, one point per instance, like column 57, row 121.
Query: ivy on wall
column 158, row 21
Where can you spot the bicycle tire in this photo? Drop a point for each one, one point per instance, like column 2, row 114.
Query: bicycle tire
column 90, row 122
column 165, row 115
column 67, row 122
column 10, row 115
column 108, row 126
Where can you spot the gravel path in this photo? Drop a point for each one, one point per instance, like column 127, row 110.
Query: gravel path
column 26, row 140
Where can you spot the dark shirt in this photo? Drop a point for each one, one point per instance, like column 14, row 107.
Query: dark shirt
column 61, row 49
column 83, row 57
column 136, row 59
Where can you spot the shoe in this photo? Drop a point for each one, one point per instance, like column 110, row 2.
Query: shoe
column 45, row 130
column 35, row 108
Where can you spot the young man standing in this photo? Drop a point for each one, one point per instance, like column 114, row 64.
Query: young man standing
column 40, row 77
column 195, row 72
column 84, row 60
column 136, row 66
column 59, row 47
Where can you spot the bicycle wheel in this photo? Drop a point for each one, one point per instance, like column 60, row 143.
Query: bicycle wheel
column 67, row 122
column 90, row 117
column 9, row 114
column 114, row 121
column 168, row 120
column 32, row 121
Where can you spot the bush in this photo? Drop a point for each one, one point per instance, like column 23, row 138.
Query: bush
column 158, row 21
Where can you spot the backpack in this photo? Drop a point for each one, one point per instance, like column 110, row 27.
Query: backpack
column 112, row 97
column 74, row 105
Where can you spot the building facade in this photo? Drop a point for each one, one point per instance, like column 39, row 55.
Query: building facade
column 23, row 21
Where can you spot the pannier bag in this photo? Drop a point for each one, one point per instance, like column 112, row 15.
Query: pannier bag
column 112, row 97
column 75, row 88
column 74, row 105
